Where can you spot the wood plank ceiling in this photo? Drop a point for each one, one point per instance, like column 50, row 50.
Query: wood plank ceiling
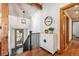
column 29, row 8
column 73, row 13
column 37, row 5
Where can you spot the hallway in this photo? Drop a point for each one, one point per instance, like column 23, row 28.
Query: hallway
column 72, row 50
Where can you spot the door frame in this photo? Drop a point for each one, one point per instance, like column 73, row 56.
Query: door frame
column 62, row 38
column 4, row 33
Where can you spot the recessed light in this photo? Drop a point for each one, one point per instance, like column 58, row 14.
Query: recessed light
column 77, row 12
column 76, row 6
column 64, row 15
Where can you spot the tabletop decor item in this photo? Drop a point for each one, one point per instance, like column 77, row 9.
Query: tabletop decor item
column 51, row 29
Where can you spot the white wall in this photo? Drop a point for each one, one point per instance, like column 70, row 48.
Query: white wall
column 76, row 28
column 36, row 22
column 54, row 11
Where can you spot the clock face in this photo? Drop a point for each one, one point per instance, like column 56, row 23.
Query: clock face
column 48, row 21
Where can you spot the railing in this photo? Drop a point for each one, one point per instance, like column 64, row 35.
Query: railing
column 35, row 40
column 32, row 41
column 27, row 44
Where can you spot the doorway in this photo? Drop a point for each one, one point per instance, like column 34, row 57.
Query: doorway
column 75, row 33
column 64, row 26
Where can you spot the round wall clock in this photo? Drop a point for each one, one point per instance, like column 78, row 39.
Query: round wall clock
column 48, row 20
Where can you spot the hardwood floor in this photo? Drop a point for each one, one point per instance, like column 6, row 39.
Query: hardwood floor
column 36, row 52
column 72, row 50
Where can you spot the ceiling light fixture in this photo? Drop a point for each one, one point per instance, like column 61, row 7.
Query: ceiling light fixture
column 76, row 6
column 77, row 12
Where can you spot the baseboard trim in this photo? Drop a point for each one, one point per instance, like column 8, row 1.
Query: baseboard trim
column 50, row 52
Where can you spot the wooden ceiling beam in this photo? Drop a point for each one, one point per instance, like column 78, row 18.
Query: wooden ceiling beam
column 36, row 5
column 69, row 6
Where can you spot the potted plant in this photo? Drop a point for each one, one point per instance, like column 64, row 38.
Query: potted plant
column 51, row 29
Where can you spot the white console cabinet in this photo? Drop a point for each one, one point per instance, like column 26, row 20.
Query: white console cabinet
column 49, row 42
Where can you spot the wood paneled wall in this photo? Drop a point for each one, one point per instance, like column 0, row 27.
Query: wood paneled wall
column 4, row 41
